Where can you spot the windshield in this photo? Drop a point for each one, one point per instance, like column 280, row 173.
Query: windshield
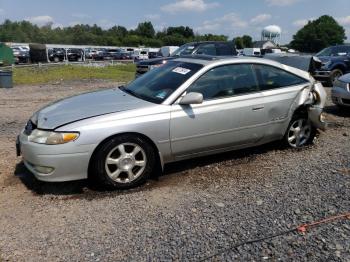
column 159, row 83
column 186, row 49
column 325, row 52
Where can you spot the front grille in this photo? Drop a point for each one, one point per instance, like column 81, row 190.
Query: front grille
column 346, row 101
column 30, row 126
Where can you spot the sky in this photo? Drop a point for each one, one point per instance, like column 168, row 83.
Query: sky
column 227, row 17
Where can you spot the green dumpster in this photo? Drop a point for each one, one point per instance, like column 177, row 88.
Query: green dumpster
column 6, row 55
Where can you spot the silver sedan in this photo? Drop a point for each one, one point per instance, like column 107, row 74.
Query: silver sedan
column 186, row 108
column 341, row 91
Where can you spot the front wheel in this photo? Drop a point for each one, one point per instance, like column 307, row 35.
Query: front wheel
column 122, row 162
column 335, row 74
column 300, row 132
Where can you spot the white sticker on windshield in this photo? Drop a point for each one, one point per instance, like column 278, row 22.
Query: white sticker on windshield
column 181, row 70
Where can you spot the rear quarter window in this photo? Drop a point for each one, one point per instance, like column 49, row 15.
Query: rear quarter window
column 270, row 77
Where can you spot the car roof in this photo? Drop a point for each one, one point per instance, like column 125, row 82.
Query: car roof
column 347, row 45
column 207, row 59
column 218, row 60
column 206, row 42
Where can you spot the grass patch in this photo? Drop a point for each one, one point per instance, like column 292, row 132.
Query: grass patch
column 46, row 74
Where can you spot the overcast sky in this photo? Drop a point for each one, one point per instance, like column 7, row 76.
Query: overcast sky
column 228, row 17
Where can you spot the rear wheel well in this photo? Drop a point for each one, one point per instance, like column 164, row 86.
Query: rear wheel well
column 158, row 164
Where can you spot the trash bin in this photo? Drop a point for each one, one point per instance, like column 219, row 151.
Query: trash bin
column 5, row 79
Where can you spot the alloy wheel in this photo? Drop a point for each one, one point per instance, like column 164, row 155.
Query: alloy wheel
column 299, row 132
column 125, row 162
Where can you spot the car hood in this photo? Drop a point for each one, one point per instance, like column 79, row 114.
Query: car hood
column 345, row 78
column 84, row 106
column 325, row 59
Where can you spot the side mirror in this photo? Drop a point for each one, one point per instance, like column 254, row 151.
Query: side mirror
column 192, row 98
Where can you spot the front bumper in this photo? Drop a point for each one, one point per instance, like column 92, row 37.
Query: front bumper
column 316, row 118
column 340, row 96
column 322, row 74
column 69, row 161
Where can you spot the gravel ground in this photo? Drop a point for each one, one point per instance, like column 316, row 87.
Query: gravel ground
column 202, row 209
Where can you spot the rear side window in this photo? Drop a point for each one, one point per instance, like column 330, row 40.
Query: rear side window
column 270, row 77
column 341, row 49
column 206, row 49
column 224, row 50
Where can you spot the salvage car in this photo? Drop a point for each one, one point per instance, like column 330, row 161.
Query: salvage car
column 341, row 91
column 190, row 107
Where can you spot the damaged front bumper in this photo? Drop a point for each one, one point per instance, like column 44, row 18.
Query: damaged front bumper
column 316, row 108
column 316, row 117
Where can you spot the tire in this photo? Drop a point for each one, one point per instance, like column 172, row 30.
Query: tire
column 334, row 75
column 300, row 132
column 123, row 162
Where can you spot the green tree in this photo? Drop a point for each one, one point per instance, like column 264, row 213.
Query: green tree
column 238, row 42
column 247, row 41
column 81, row 34
column 318, row 34
column 186, row 32
column 145, row 29
column 175, row 39
column 244, row 41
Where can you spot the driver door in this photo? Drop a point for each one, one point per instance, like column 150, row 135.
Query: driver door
column 231, row 115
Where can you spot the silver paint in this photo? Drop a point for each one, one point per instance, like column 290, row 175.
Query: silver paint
column 177, row 131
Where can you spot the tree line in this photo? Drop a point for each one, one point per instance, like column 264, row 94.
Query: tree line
column 314, row 36
column 84, row 34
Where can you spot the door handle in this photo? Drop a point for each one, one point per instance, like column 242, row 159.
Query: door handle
column 256, row 108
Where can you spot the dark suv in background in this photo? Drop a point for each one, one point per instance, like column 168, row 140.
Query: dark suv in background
column 212, row 48
column 335, row 63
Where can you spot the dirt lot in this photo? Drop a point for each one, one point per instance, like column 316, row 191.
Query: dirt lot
column 203, row 209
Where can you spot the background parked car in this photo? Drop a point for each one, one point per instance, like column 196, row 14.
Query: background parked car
column 99, row 54
column 153, row 53
column 111, row 54
column 20, row 55
column 123, row 56
column 166, row 51
column 335, row 63
column 75, row 54
column 56, row 54
column 212, row 48
column 341, row 91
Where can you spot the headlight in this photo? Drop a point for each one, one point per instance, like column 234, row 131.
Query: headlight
column 52, row 138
